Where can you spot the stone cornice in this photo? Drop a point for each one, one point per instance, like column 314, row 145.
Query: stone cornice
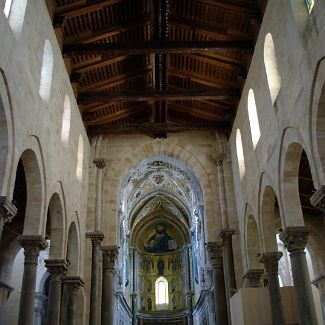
column 96, row 237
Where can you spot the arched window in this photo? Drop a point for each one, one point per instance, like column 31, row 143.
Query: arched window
column 271, row 67
column 46, row 72
column 161, row 286
column 253, row 118
column 240, row 154
column 66, row 120
column 7, row 7
column 310, row 5
column 14, row 10
column 80, row 159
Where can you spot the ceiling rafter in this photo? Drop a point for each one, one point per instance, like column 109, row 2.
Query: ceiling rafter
column 156, row 47
column 168, row 95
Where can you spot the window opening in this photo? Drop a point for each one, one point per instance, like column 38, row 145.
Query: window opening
column 66, row 120
column 161, row 291
column 46, row 72
column 310, row 5
column 7, row 8
column 253, row 118
column 240, row 154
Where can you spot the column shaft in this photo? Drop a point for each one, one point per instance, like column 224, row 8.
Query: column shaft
column 220, row 300
column 100, row 164
column 189, row 286
column 319, row 283
column 72, row 285
column 109, row 257
column 96, row 239
column 295, row 240
column 57, row 269
column 32, row 245
column 270, row 260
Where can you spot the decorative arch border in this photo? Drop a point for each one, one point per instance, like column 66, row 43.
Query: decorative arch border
column 57, row 189
column 6, row 114
column 249, row 212
column 290, row 137
column 266, row 184
column 317, row 89
column 180, row 150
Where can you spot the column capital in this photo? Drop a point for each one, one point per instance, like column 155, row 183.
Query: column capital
column 57, row 267
column 215, row 253
column 226, row 234
column 7, row 209
column 96, row 237
column 73, row 283
column 318, row 199
column 32, row 244
column 254, row 276
column 270, row 261
column 100, row 163
column 109, row 257
column 295, row 238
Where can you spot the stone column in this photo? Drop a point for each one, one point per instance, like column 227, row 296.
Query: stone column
column 228, row 260
column 295, row 240
column 254, row 277
column 100, row 164
column 222, row 191
column 57, row 269
column 5, row 291
column 219, row 292
column 72, row 285
column 96, row 239
column 189, row 292
column 109, row 258
column 270, row 261
column 32, row 245
column 7, row 213
column 319, row 283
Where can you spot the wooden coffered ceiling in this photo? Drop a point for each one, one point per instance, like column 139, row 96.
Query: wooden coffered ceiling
column 157, row 66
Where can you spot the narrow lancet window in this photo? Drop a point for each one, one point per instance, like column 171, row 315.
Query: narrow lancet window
column 161, row 292
column 240, row 154
column 253, row 118
column 46, row 72
column 271, row 67
column 66, row 121
column 80, row 159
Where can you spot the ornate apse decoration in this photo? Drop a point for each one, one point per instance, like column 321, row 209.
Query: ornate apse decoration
column 160, row 242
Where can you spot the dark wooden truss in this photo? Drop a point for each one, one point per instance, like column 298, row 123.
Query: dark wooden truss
column 157, row 66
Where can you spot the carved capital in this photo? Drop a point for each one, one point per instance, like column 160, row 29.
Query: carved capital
column 318, row 199
column 7, row 210
column 215, row 253
column 73, row 283
column 32, row 245
column 254, row 277
column 270, row 261
column 109, row 257
column 96, row 237
column 57, row 267
column 100, row 163
column 295, row 238
column 226, row 235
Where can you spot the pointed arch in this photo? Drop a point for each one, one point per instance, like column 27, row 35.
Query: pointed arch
column 46, row 72
column 253, row 118
column 73, row 250
column 271, row 67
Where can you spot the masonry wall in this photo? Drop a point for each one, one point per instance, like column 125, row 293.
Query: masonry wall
column 32, row 123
